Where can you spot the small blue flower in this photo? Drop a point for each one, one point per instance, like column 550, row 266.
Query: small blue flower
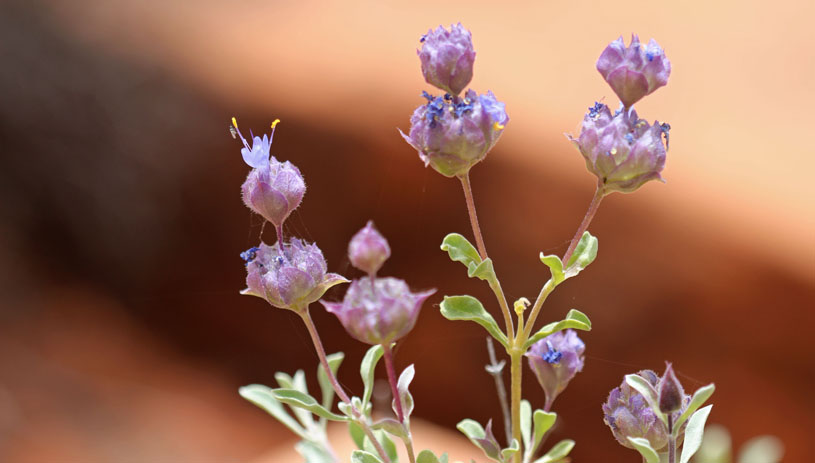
column 551, row 356
column 250, row 254
column 258, row 154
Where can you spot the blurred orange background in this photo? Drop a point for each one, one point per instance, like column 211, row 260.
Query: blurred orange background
column 123, row 337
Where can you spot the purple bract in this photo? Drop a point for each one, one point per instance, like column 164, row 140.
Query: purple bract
column 447, row 58
column 636, row 71
column 556, row 359
column 368, row 249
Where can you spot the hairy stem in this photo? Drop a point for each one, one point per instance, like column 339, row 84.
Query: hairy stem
column 496, row 370
column 279, row 231
column 482, row 251
column 536, row 308
column 468, row 196
column 595, row 204
column 671, row 440
column 361, row 420
column 515, row 356
column 388, row 354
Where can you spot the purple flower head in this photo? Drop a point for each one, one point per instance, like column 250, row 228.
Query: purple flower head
column 636, row 71
column 272, row 189
column 289, row 278
column 628, row 414
column 368, row 249
column 378, row 313
column 556, row 359
column 452, row 134
column 671, row 394
column 622, row 150
column 447, row 58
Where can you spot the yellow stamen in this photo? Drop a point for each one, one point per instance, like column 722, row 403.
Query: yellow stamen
column 497, row 126
column 521, row 305
column 276, row 121
column 613, row 151
column 235, row 122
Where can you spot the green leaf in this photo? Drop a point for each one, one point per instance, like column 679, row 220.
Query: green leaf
column 526, row 424
column 313, row 452
column 574, row 319
column 555, row 266
column 558, row 452
column 473, row 430
column 645, row 388
column 361, row 456
column 483, row 271
column 402, row 388
column 509, row 452
column 426, row 456
column 297, row 399
column 367, row 368
column 584, row 254
column 391, row 426
column 694, row 433
column 297, row 383
column 334, row 361
column 543, row 422
column 699, row 398
column 460, row 250
column 385, row 441
column 762, row 449
column 469, row 308
column 643, row 446
column 357, row 434
column 262, row 396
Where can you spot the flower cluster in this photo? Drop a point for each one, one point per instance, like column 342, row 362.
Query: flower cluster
column 621, row 149
column 453, row 133
column 556, row 359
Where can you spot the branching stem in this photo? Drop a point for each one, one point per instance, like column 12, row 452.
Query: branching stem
column 496, row 370
column 593, row 206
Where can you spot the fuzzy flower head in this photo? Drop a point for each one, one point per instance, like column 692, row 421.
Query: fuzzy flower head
column 272, row 189
column 452, row 134
column 628, row 414
column 378, row 310
column 622, row 150
column 288, row 276
column 447, row 58
column 368, row 249
column 556, row 359
column 636, row 71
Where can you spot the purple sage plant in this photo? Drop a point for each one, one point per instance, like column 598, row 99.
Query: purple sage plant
column 447, row 58
column 555, row 360
column 634, row 71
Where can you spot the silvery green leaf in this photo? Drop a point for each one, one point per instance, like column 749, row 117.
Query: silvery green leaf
column 346, row 409
column 645, row 388
column 526, row 425
column 385, row 441
column 402, row 388
column 574, row 319
column 367, row 368
column 469, row 308
column 693, row 433
column 762, row 449
column 508, row 453
column 361, row 456
column 558, row 452
column 261, row 396
column 699, row 397
column 334, row 361
column 426, row 456
column 483, row 271
column 478, row 436
column 357, row 434
column 391, row 426
column 297, row 383
column 298, row 399
column 543, row 422
column 460, row 250
column 313, row 452
column 555, row 267
column 643, row 446
column 584, row 254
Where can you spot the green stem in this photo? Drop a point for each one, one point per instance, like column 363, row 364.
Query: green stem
column 495, row 285
column 536, row 308
column 595, row 204
column 408, row 439
column 360, row 418
column 496, row 370
column 516, row 371
column 671, row 440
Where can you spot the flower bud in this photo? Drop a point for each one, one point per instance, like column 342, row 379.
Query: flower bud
column 628, row 414
column 288, row 276
column 378, row 310
column 368, row 249
column 452, row 134
column 636, row 71
column 671, row 394
column 447, row 58
column 556, row 359
column 622, row 150
column 272, row 189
